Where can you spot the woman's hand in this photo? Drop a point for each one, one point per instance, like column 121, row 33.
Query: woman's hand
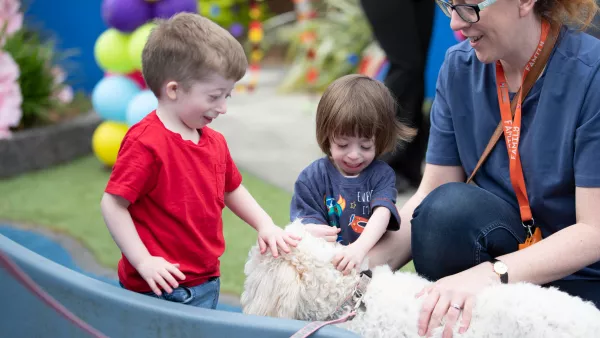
column 450, row 295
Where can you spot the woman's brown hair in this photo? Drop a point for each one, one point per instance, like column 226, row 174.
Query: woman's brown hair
column 358, row 106
column 579, row 13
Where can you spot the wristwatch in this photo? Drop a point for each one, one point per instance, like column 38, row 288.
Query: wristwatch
column 501, row 270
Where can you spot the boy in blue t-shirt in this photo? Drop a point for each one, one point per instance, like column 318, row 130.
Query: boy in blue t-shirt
column 348, row 196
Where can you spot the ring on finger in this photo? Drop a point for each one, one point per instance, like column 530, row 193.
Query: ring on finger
column 456, row 306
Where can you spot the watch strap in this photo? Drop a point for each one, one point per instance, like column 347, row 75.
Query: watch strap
column 503, row 276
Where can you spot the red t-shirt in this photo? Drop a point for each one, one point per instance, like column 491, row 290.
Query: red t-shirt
column 176, row 190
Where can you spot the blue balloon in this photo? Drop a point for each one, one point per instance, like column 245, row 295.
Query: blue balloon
column 112, row 95
column 140, row 106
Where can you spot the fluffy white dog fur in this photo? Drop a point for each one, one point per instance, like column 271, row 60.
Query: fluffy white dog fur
column 304, row 285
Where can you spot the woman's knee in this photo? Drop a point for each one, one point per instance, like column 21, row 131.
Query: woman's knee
column 454, row 224
column 461, row 208
column 450, row 203
column 433, row 225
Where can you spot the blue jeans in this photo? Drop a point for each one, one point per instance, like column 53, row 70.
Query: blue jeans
column 205, row 295
column 458, row 226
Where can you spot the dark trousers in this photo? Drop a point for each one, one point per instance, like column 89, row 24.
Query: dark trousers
column 458, row 226
column 403, row 30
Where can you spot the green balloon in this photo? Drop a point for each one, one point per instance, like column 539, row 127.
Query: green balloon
column 111, row 52
column 137, row 43
column 218, row 11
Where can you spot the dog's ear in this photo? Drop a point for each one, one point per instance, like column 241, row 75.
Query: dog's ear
column 272, row 289
column 254, row 258
column 293, row 285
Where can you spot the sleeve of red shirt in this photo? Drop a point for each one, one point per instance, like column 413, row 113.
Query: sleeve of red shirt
column 134, row 172
column 233, row 178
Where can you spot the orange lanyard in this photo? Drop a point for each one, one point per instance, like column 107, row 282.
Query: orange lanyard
column 512, row 128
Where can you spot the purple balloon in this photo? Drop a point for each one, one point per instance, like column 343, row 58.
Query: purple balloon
column 236, row 30
column 126, row 15
column 165, row 9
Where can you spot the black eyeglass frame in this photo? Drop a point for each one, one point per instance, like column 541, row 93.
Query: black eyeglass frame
column 447, row 8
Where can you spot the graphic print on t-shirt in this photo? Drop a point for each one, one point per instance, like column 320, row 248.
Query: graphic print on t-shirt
column 358, row 212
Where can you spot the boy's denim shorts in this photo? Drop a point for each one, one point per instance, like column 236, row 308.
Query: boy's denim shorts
column 205, row 295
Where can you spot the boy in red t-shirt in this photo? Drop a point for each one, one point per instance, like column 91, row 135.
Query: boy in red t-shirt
column 174, row 175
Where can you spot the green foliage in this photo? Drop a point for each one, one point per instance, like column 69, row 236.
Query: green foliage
column 227, row 13
column 36, row 80
column 35, row 58
column 342, row 32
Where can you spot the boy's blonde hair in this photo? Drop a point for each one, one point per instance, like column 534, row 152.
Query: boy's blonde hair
column 359, row 106
column 187, row 48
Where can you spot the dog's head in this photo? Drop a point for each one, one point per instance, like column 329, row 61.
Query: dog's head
column 302, row 284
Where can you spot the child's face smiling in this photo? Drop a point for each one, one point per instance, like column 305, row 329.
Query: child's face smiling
column 351, row 155
column 205, row 101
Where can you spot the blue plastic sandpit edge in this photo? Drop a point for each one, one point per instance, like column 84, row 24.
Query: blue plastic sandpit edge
column 117, row 312
column 47, row 247
column 54, row 251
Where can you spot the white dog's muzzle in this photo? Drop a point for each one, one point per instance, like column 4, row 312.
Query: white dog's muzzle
column 344, row 312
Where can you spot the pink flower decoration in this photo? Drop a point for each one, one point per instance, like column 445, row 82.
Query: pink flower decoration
column 63, row 92
column 65, row 95
column 59, row 75
column 10, row 18
column 10, row 95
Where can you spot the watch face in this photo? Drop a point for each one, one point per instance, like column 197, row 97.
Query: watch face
column 500, row 268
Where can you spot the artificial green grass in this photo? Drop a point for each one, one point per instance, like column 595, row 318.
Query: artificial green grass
column 66, row 199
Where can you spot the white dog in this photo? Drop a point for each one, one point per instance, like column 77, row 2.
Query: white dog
column 304, row 285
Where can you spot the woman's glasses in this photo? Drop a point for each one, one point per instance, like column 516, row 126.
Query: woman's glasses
column 467, row 12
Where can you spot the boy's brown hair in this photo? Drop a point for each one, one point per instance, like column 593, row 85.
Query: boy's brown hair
column 187, row 48
column 359, row 106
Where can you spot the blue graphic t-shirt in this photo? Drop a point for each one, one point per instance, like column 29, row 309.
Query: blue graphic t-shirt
column 322, row 195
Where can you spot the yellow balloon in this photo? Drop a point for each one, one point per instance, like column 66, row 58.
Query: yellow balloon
column 106, row 141
column 137, row 43
column 111, row 52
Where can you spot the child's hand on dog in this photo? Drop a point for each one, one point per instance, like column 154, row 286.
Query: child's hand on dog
column 322, row 230
column 156, row 271
column 349, row 258
column 272, row 236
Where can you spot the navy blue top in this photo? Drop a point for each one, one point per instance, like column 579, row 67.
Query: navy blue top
column 560, row 135
column 322, row 195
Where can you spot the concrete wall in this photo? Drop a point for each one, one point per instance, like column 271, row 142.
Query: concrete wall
column 114, row 311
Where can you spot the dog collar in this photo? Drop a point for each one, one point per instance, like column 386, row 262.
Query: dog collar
column 354, row 301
